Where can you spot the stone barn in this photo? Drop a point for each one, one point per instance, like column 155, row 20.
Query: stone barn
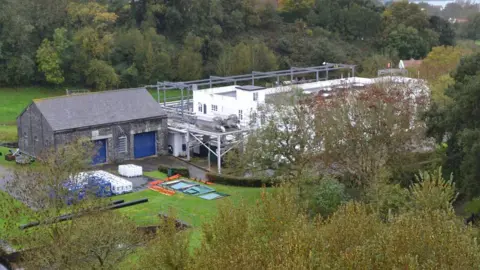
column 124, row 124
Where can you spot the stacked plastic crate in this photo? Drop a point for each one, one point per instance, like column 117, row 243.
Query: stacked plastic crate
column 130, row 170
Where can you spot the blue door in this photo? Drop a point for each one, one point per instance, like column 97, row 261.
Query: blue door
column 144, row 144
column 101, row 152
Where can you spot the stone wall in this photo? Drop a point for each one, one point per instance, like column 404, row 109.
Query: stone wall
column 34, row 132
column 112, row 132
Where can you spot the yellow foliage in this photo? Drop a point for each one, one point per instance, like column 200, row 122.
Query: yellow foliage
column 440, row 61
column 90, row 13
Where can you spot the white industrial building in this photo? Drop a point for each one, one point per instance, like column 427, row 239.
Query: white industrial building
column 219, row 118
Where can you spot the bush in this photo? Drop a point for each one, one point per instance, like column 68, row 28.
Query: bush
column 180, row 170
column 326, row 196
column 238, row 181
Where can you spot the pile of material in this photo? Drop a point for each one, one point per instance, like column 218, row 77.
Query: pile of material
column 130, row 170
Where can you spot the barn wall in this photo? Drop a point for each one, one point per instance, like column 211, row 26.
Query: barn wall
column 34, row 132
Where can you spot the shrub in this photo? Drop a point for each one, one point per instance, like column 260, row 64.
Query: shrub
column 238, row 181
column 180, row 170
column 327, row 195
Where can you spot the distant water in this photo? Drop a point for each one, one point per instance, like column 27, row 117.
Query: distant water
column 442, row 3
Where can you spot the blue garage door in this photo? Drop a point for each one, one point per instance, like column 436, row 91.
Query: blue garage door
column 144, row 144
column 101, row 152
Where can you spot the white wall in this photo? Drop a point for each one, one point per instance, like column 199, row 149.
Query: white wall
column 176, row 140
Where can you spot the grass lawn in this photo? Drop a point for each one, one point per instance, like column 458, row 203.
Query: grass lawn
column 3, row 162
column 190, row 209
column 7, row 206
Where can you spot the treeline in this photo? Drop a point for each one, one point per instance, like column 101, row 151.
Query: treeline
column 118, row 43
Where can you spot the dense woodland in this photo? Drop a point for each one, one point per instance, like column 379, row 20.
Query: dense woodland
column 119, row 43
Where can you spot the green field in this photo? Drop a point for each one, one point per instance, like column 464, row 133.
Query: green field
column 14, row 100
column 191, row 209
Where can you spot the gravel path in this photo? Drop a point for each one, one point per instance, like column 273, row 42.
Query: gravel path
column 5, row 176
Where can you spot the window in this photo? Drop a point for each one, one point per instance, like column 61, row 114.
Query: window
column 35, row 138
column 214, row 108
column 25, row 135
column 240, row 114
column 255, row 96
column 200, row 107
column 263, row 119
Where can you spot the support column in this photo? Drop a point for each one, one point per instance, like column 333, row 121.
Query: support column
column 219, row 155
column 188, row 145
column 181, row 101
column 158, row 94
column 326, row 78
column 317, row 76
column 209, row 166
column 164, row 96
column 253, row 78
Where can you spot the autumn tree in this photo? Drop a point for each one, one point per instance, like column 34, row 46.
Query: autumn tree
column 93, row 41
column 364, row 131
column 92, row 239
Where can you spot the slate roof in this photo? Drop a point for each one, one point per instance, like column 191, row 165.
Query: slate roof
column 92, row 109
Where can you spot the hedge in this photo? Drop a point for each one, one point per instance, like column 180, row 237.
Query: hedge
column 238, row 181
column 180, row 170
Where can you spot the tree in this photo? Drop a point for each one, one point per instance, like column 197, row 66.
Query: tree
column 441, row 61
column 92, row 239
column 49, row 62
column 408, row 42
column 244, row 58
column 101, row 75
column 189, row 62
column 351, row 238
column 471, row 30
column 286, row 143
column 365, row 131
column 444, row 29
column 457, row 123
column 324, row 196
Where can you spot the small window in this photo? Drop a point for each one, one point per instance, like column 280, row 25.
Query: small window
column 25, row 135
column 46, row 143
column 214, row 108
column 263, row 119
column 200, row 107
column 255, row 96
column 35, row 138
column 240, row 114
